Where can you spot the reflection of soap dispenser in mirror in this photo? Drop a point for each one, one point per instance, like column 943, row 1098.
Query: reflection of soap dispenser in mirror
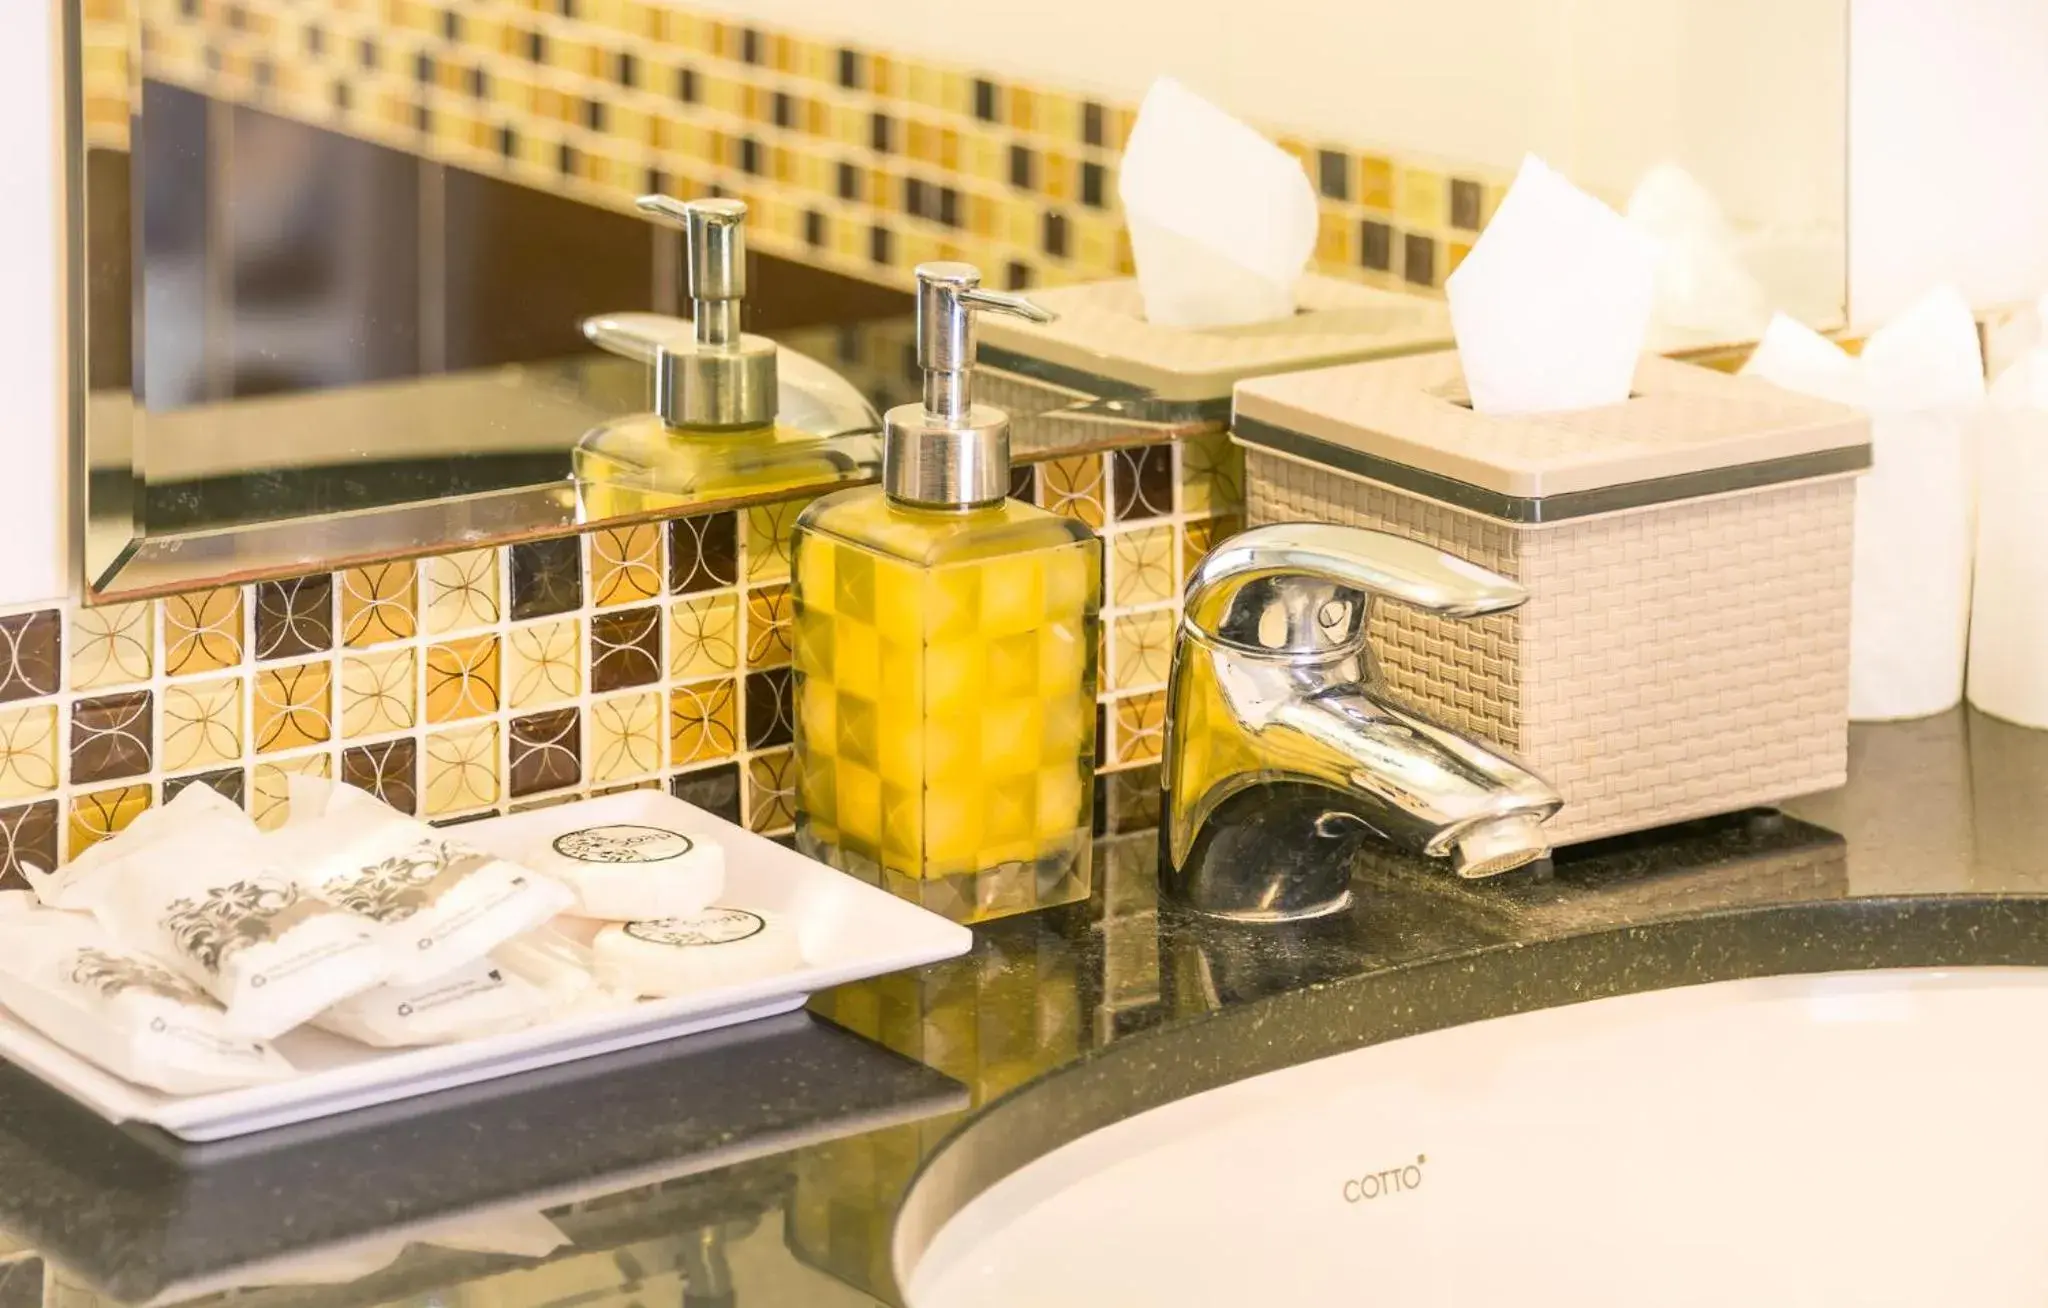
column 945, row 653
column 735, row 415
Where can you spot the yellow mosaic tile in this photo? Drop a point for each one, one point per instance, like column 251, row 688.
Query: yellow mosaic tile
column 1376, row 182
column 1422, row 196
column 767, row 540
column 769, row 633
column 1140, row 727
column 1143, row 567
column 28, row 751
column 291, row 707
column 1211, row 474
column 702, row 723
column 111, row 645
column 462, row 769
column 202, row 725
column 771, row 791
column 101, row 813
column 462, row 679
column 462, row 591
column 543, row 663
column 377, row 693
column 625, row 736
column 379, row 604
column 1143, row 645
column 625, row 564
column 270, row 801
column 202, row 631
column 1075, row 488
column 703, row 636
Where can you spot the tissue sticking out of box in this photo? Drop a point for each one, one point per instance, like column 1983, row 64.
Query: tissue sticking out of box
column 1702, row 285
column 1551, row 306
column 1222, row 221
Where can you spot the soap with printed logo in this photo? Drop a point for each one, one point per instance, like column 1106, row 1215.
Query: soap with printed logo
column 632, row 871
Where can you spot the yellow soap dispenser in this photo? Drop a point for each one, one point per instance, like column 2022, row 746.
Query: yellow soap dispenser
column 735, row 415
column 945, row 653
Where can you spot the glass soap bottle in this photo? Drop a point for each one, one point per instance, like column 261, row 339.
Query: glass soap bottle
column 734, row 414
column 946, row 643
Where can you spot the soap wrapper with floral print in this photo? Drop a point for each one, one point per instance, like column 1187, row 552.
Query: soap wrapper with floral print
column 478, row 999
column 119, row 1009
column 442, row 903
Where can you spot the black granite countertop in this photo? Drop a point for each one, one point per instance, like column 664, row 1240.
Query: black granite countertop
column 766, row 1164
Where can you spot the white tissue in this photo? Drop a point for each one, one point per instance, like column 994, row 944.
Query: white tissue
column 1552, row 305
column 1921, row 380
column 1702, row 285
column 1222, row 221
column 2009, row 610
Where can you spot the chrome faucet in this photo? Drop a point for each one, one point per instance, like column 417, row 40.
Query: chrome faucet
column 1285, row 749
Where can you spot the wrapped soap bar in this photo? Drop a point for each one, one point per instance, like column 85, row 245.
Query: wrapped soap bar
column 205, row 896
column 477, row 999
column 444, row 903
column 120, row 1009
column 677, row 956
column 632, row 871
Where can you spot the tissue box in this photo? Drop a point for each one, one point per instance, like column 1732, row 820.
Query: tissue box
column 1103, row 376
column 1685, row 647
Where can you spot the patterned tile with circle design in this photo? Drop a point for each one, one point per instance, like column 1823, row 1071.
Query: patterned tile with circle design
column 703, row 552
column 388, row 769
column 270, row 800
column 1074, row 488
column 461, row 769
column 295, row 617
column 31, row 654
column 770, row 635
column 546, row 752
column 1144, row 567
column 378, row 694
column 702, row 722
column 111, row 736
column 462, row 679
column 379, row 604
column 771, row 792
column 290, row 708
column 461, row 591
column 202, row 631
column 98, row 814
column 112, row 645
column 703, row 636
column 202, row 724
column 625, row 736
column 625, row 648
column 28, row 751
column 547, row 577
column 28, row 836
column 625, row 564
column 231, row 784
column 543, row 663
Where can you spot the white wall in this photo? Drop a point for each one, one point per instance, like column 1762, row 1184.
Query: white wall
column 1948, row 152
column 34, row 523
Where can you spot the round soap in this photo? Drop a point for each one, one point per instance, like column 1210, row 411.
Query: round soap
column 633, row 871
column 702, row 951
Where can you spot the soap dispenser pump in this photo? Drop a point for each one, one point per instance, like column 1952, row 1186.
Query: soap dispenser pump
column 733, row 413
column 946, row 640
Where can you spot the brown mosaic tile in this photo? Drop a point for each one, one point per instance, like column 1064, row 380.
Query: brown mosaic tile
column 379, row 604
column 291, row 707
column 625, row 564
column 463, row 679
column 31, row 654
column 388, row 769
column 202, row 631
column 295, row 617
column 102, row 813
column 28, row 751
column 770, row 635
column 703, row 552
column 716, row 790
column 547, row 577
column 112, row 645
column 229, row 783
column 625, row 649
column 28, row 836
column 110, row 736
column 1144, row 482
column 702, row 722
column 546, row 752
column 771, row 791
column 771, row 717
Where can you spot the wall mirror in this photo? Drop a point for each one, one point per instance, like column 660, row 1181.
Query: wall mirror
column 337, row 253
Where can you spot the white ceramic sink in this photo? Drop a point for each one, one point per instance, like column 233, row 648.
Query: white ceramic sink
column 1873, row 1138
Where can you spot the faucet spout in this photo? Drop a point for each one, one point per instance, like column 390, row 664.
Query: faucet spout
column 1285, row 750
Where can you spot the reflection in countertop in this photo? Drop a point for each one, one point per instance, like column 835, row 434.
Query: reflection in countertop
column 768, row 1169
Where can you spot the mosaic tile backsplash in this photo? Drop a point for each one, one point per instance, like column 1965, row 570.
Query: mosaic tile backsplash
column 852, row 158
column 475, row 683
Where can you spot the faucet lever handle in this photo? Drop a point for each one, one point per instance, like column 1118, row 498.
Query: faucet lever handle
column 1305, row 586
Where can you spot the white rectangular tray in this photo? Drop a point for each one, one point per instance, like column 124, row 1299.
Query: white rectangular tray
column 847, row 930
